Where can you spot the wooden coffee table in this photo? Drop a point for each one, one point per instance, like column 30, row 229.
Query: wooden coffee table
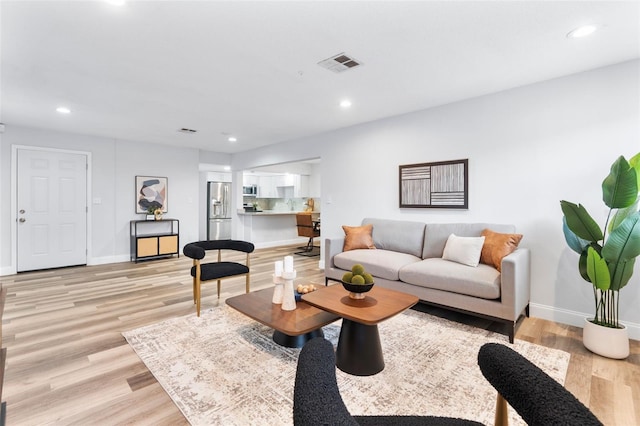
column 359, row 350
column 291, row 328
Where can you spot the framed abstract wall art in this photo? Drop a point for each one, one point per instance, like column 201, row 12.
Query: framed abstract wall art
column 151, row 194
column 442, row 184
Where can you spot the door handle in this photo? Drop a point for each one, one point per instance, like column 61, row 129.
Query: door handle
column 22, row 220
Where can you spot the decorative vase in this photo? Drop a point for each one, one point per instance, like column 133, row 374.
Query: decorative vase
column 158, row 214
column 288, row 298
column 606, row 341
column 278, row 290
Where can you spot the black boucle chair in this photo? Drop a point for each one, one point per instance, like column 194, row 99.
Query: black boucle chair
column 317, row 400
column 538, row 398
column 216, row 270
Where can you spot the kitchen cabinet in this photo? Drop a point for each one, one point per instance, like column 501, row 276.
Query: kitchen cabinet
column 267, row 187
column 250, row 180
column 151, row 239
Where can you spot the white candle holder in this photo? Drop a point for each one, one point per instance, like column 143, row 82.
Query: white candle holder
column 288, row 298
column 278, row 290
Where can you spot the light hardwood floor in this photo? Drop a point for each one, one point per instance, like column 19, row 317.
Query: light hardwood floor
column 67, row 362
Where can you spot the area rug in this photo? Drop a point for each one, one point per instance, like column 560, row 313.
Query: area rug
column 224, row 369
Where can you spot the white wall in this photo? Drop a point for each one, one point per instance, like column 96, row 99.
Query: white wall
column 528, row 148
column 115, row 163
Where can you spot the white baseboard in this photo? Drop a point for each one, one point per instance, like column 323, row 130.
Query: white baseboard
column 108, row 259
column 7, row 270
column 574, row 318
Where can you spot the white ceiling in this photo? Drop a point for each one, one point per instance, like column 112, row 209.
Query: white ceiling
column 146, row 69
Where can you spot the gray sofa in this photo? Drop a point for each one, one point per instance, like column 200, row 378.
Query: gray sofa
column 408, row 258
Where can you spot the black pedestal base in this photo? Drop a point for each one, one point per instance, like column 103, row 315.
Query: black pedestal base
column 359, row 350
column 295, row 341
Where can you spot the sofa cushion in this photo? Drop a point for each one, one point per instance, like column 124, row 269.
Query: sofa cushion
column 482, row 281
column 398, row 235
column 379, row 263
column 357, row 237
column 498, row 245
column 465, row 250
column 436, row 234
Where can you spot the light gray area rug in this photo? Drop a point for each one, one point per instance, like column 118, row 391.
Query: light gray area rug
column 224, row 369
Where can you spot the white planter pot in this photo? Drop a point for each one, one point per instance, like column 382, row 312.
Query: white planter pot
column 605, row 341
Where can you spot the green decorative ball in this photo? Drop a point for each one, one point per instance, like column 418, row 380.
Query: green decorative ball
column 368, row 278
column 347, row 277
column 357, row 269
column 357, row 279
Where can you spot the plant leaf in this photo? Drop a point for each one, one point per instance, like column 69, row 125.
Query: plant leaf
column 621, row 273
column 598, row 270
column 580, row 223
column 621, row 214
column 620, row 187
column 574, row 242
column 624, row 242
column 635, row 163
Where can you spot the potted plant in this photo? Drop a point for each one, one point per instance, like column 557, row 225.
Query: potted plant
column 607, row 255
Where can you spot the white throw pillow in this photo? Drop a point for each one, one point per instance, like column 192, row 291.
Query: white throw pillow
column 465, row 250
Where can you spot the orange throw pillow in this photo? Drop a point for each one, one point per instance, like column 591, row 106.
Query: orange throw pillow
column 358, row 237
column 496, row 246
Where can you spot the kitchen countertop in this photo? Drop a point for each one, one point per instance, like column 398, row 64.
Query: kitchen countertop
column 271, row 213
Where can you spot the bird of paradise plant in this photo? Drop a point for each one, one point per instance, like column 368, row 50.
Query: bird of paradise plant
column 607, row 261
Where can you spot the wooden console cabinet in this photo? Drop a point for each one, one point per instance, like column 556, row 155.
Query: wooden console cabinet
column 154, row 238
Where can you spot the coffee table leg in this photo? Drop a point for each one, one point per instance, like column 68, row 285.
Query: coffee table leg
column 295, row 341
column 359, row 350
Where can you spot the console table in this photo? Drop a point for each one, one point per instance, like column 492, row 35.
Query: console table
column 152, row 239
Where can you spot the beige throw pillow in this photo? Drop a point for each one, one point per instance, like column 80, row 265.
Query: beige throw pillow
column 465, row 250
column 497, row 246
column 358, row 237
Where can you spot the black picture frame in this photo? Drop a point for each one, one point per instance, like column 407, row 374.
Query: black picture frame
column 438, row 185
column 152, row 191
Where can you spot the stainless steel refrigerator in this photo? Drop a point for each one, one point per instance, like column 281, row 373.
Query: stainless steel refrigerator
column 219, row 210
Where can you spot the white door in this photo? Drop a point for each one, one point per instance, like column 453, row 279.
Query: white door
column 52, row 209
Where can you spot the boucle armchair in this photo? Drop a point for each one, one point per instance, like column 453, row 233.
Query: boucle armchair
column 538, row 398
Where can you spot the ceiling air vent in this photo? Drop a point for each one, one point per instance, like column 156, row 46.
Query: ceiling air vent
column 339, row 63
column 185, row 130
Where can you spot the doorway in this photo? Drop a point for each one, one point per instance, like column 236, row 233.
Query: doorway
column 51, row 208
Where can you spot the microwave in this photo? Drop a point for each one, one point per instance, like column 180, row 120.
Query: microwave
column 250, row 191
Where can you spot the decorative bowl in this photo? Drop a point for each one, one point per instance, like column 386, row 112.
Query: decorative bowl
column 356, row 291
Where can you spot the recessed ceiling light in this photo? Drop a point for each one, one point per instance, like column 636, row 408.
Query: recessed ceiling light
column 63, row 110
column 345, row 103
column 232, row 139
column 227, row 168
column 582, row 31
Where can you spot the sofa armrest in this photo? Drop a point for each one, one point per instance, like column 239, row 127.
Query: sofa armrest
column 332, row 247
column 516, row 280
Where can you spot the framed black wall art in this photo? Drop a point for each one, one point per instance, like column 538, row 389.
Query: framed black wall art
column 442, row 185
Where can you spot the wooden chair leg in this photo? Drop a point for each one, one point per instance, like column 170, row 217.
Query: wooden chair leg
column 502, row 414
column 219, row 289
column 198, row 298
column 194, row 290
column 247, row 285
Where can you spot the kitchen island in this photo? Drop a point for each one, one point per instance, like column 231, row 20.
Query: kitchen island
column 271, row 228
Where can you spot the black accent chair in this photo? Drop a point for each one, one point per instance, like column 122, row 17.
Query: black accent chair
column 218, row 270
column 538, row 398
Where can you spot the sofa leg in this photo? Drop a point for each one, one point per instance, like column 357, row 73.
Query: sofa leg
column 526, row 311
